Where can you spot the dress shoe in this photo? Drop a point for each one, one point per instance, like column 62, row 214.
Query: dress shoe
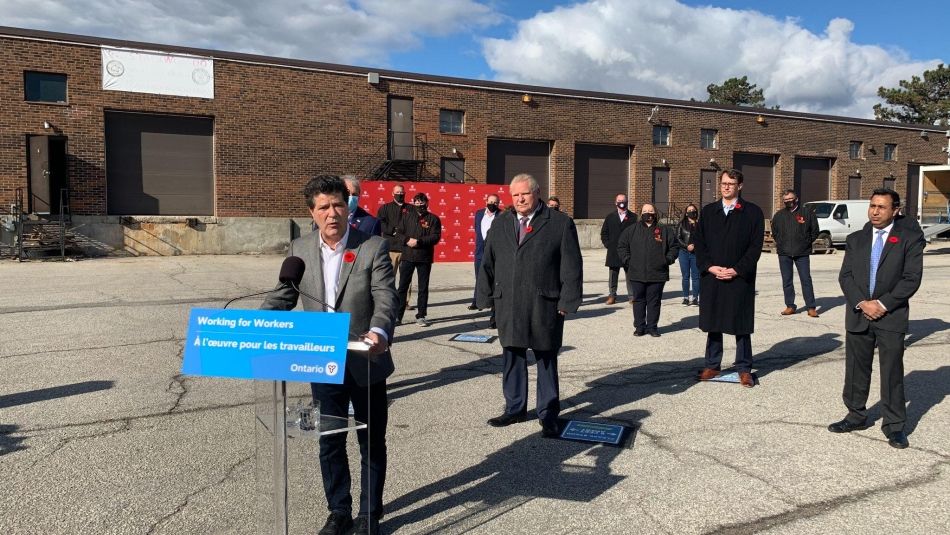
column 654, row 334
column 492, row 324
column 746, row 379
column 685, row 302
column 610, row 300
column 844, row 426
column 707, row 374
column 812, row 313
column 549, row 429
column 472, row 307
column 507, row 419
column 337, row 524
column 788, row 311
column 897, row 439
column 638, row 332
column 366, row 525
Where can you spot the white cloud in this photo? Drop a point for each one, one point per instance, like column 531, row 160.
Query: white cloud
column 339, row 31
column 666, row 49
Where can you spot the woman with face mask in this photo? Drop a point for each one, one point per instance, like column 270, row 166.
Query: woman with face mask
column 687, row 259
column 647, row 249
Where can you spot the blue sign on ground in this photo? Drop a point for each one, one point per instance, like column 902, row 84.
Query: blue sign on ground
column 593, row 432
column 267, row 344
column 732, row 377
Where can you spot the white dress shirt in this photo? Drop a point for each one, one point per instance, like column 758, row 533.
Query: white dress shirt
column 487, row 219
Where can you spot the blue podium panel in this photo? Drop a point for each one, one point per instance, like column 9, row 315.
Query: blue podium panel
column 267, row 344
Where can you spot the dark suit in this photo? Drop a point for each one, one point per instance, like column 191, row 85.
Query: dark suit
column 610, row 233
column 898, row 277
column 364, row 222
column 366, row 290
column 479, row 247
column 528, row 284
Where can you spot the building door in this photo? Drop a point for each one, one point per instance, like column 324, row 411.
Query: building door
column 600, row 174
column 913, row 189
column 708, row 187
column 812, row 179
column 401, row 139
column 661, row 191
column 453, row 170
column 47, row 170
column 758, row 171
column 854, row 187
column 507, row 158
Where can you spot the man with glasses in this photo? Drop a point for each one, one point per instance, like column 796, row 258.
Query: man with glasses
column 728, row 243
column 794, row 229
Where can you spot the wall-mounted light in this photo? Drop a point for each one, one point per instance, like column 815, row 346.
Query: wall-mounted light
column 760, row 120
column 47, row 125
column 526, row 98
column 372, row 78
column 923, row 134
column 857, row 171
column 712, row 161
column 665, row 162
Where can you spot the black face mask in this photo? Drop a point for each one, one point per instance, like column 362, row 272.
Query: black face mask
column 789, row 204
column 648, row 218
column 556, row 208
column 691, row 214
column 421, row 209
column 622, row 205
column 400, row 197
column 491, row 207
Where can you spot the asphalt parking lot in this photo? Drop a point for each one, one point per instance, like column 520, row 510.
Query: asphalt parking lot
column 100, row 433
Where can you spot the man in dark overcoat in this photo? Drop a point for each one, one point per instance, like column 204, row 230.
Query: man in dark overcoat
column 881, row 271
column 614, row 224
column 728, row 244
column 532, row 274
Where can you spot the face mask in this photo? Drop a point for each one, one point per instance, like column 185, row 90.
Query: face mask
column 556, row 208
column 400, row 197
column 421, row 209
column 353, row 203
column 622, row 205
column 491, row 207
column 648, row 218
column 691, row 214
column 789, row 204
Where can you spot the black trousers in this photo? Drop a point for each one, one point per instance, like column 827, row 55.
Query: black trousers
column 859, row 357
column 612, row 282
column 478, row 265
column 370, row 406
column 514, row 382
column 646, row 305
column 803, row 265
column 405, row 279
column 743, row 351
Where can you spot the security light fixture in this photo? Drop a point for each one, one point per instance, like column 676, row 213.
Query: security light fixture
column 526, row 98
column 760, row 120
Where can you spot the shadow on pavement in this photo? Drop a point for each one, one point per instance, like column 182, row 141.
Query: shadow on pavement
column 920, row 329
column 9, row 443
column 925, row 390
column 46, row 394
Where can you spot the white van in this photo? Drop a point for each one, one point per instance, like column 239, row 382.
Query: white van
column 837, row 219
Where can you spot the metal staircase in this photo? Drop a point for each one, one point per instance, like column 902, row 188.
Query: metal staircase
column 40, row 235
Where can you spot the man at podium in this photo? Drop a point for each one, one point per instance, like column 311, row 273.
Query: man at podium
column 348, row 271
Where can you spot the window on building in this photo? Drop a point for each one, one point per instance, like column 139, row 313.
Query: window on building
column 709, row 138
column 856, row 150
column 661, row 136
column 890, row 152
column 451, row 121
column 44, row 87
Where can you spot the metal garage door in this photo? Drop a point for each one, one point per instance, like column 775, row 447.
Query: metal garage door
column 600, row 174
column 159, row 164
column 758, row 172
column 813, row 179
column 507, row 158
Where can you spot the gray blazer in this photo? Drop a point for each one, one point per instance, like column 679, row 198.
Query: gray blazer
column 367, row 291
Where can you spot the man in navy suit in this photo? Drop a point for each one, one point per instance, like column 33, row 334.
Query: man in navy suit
column 360, row 219
column 882, row 268
column 483, row 220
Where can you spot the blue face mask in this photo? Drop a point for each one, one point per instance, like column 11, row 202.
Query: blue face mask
column 353, row 203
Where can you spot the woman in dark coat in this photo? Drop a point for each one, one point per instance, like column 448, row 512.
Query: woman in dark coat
column 687, row 258
column 647, row 250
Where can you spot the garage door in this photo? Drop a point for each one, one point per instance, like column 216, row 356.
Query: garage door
column 758, row 173
column 507, row 158
column 600, row 174
column 813, row 179
column 159, row 164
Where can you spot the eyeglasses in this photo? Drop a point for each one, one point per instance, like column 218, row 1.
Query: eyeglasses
column 728, row 184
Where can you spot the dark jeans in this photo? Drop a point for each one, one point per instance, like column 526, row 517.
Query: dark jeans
column 370, row 406
column 690, row 272
column 803, row 265
column 612, row 282
column 405, row 279
column 646, row 305
column 743, row 351
column 859, row 356
column 514, row 382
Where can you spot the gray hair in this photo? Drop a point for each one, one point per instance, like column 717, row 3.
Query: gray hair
column 354, row 181
column 525, row 177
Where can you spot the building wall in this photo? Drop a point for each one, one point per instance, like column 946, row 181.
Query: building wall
column 274, row 126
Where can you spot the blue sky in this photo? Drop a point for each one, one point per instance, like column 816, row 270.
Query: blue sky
column 817, row 56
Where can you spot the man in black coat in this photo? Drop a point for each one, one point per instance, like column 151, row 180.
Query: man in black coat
column 389, row 215
column 881, row 271
column 419, row 231
column 484, row 218
column 794, row 229
column 532, row 274
column 614, row 224
column 728, row 243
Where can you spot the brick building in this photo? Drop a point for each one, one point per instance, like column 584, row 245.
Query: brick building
column 236, row 154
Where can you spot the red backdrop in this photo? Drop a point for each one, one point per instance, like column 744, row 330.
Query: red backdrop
column 455, row 204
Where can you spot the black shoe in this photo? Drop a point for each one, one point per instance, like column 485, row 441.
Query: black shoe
column 337, row 524
column 638, row 332
column 507, row 419
column 694, row 302
column 897, row 439
column 549, row 429
column 844, row 426
column 685, row 302
column 472, row 307
column 366, row 525
column 654, row 334
column 492, row 324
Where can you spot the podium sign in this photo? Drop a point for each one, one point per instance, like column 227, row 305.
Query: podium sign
column 267, row 344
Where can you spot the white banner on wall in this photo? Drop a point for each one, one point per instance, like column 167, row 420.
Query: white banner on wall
column 160, row 73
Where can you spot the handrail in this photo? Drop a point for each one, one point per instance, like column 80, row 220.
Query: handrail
column 437, row 151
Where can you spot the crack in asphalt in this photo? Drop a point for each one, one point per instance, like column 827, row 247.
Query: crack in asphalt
column 184, row 503
column 67, row 350
column 179, row 383
column 148, row 416
column 126, row 424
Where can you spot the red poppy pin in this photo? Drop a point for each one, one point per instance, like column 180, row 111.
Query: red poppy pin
column 656, row 234
column 349, row 257
column 353, row 224
column 423, row 223
column 738, row 205
column 800, row 219
column 893, row 239
column 528, row 229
